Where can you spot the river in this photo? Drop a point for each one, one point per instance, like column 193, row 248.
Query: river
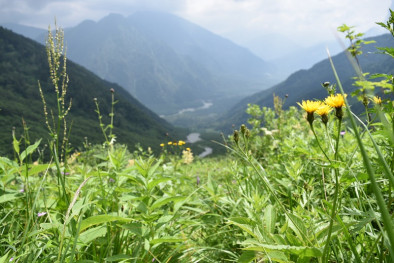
column 195, row 137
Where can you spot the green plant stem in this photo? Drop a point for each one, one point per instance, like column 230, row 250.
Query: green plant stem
column 334, row 207
column 318, row 143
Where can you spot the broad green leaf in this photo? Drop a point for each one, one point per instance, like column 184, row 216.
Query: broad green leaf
column 4, row 258
column 270, row 218
column 91, row 234
column 100, row 219
column 146, row 244
column 155, row 182
column 135, row 228
column 247, row 256
column 36, row 169
column 9, row 197
column 164, row 200
column 29, row 150
column 165, row 219
column 153, row 168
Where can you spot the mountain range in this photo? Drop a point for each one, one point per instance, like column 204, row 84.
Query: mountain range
column 23, row 62
column 166, row 62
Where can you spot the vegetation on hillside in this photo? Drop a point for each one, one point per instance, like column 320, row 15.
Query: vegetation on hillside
column 23, row 63
column 305, row 184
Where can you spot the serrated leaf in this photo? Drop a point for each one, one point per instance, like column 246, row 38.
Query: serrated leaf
column 270, row 218
column 298, row 226
column 244, row 223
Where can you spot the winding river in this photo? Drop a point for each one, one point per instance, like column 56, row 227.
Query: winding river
column 195, row 137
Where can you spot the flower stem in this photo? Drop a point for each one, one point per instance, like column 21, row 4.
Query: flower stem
column 334, row 207
column 318, row 143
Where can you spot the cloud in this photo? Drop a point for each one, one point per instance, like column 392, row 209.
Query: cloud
column 237, row 19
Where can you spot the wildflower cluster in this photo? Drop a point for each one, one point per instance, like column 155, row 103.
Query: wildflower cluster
column 323, row 108
column 174, row 143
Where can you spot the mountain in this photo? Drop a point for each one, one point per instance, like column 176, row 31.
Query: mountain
column 23, row 62
column 271, row 46
column 219, row 55
column 306, row 84
column 305, row 57
column 166, row 62
column 27, row 31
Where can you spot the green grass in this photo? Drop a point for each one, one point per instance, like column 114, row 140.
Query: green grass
column 284, row 190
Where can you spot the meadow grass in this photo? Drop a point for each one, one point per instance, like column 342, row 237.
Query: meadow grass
column 289, row 189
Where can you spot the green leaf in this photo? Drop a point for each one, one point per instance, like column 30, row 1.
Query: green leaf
column 9, row 197
column 296, row 250
column 15, row 143
column 29, row 150
column 91, row 234
column 4, row 258
column 153, row 168
column 297, row 225
column 166, row 240
column 247, row 256
column 164, row 200
column 244, row 223
column 135, row 228
column 270, row 218
column 155, row 182
column 100, row 219
column 118, row 258
column 146, row 244
column 36, row 169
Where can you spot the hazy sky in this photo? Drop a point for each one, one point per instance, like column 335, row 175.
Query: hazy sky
column 239, row 20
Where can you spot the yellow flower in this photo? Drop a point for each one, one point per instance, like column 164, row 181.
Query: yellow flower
column 169, row 143
column 323, row 111
column 162, row 144
column 310, row 106
column 377, row 100
column 188, row 149
column 337, row 101
column 180, row 143
column 175, row 143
